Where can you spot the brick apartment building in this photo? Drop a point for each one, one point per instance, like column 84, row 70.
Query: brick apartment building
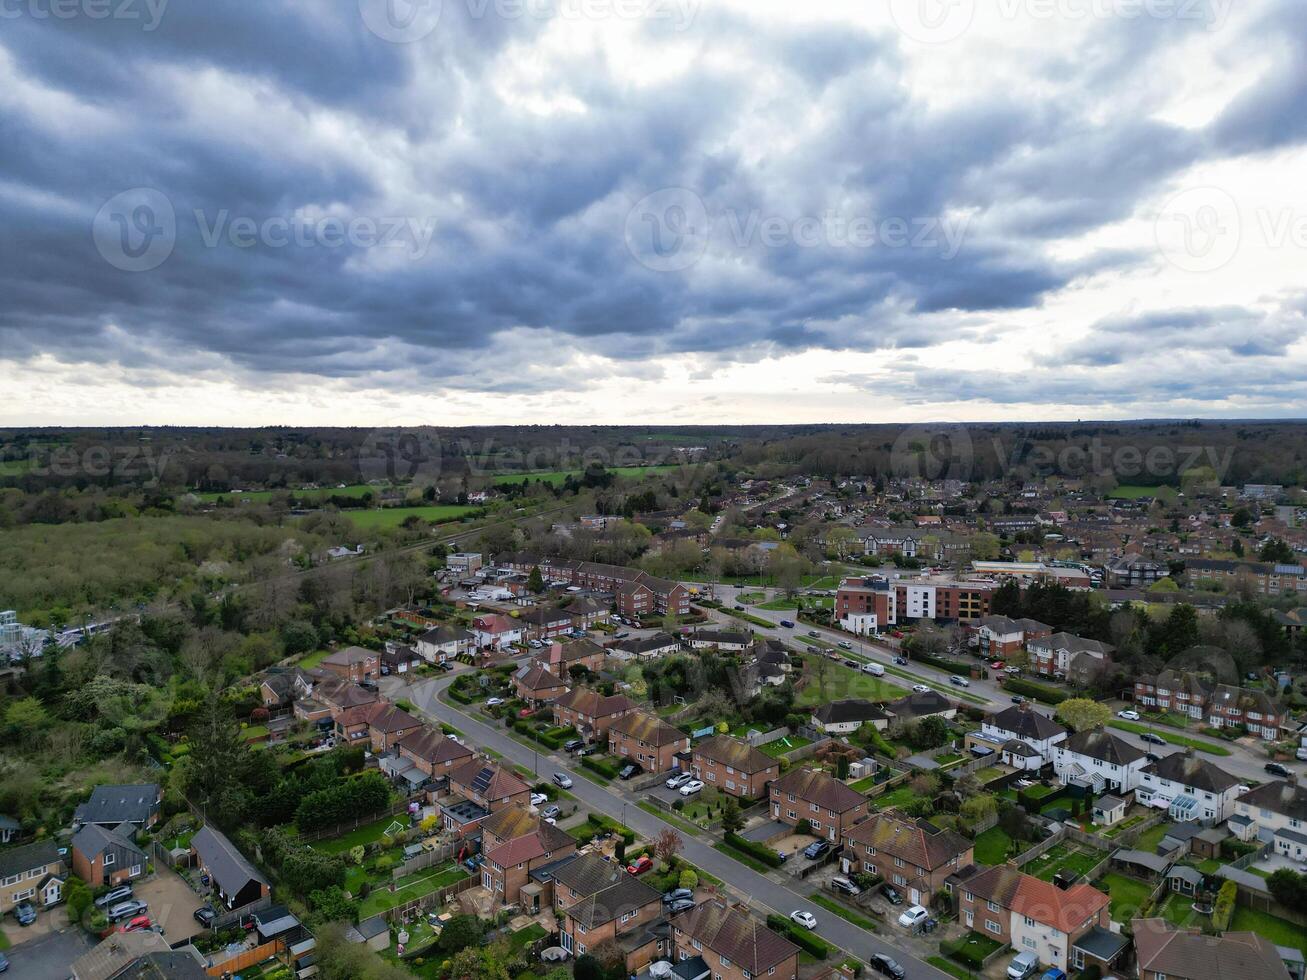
column 1267, row 578
column 910, row 853
column 871, row 604
column 734, row 767
column 645, row 738
column 825, row 802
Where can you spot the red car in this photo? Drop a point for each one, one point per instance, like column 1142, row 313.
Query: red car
column 640, row 865
column 138, row 924
column 897, row 634
column 526, row 713
column 997, row 665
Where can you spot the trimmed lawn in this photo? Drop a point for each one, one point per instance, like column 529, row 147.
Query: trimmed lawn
column 366, row 834
column 862, row 785
column 1151, row 837
column 407, row 889
column 1211, row 748
column 391, row 517
column 1178, row 910
column 525, row 937
column 1278, row 931
column 782, row 745
column 1068, row 857
column 949, row 967
column 899, row 796
column 830, row 905
column 835, row 682
column 744, row 858
column 993, row 846
column 1132, row 493
column 311, row 660
column 1127, row 894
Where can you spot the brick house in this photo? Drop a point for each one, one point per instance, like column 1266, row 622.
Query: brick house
column 1000, row 637
column 1052, row 656
column 600, row 903
column 489, row 785
column 389, row 724
column 545, row 623
column 734, row 767
column 560, row 658
column 353, row 664
column 1165, row 952
column 635, row 593
column 590, row 712
column 825, row 802
column 585, row 612
column 536, row 684
column 508, row 864
column 31, row 873
column 1257, row 711
column 1032, row 915
column 910, row 853
column 733, row 945
column 432, row 752
column 647, row 739
column 1180, row 691
column 107, row 857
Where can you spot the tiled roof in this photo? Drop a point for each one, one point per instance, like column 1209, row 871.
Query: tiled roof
column 529, row 847
column 509, row 823
column 1100, row 744
column 1063, row 909
column 737, row 936
column 592, row 704
column 917, row 841
column 648, row 728
column 1181, row 767
column 350, row 656
column 118, row 804
column 1281, row 797
column 734, row 753
column 1163, row 949
column 28, row 857
column 625, row 895
column 819, row 788
column 493, row 782
column 535, row 677
column 588, row 874
column 1025, row 722
column 848, row 709
column 433, row 747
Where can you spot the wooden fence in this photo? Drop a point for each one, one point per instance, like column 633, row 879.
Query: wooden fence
column 426, row 859
column 399, row 809
column 250, row 957
column 224, row 920
column 403, row 913
column 1047, row 844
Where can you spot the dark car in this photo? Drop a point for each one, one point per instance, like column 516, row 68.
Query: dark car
column 572, row 744
column 677, row 895
column 901, row 661
column 852, row 663
column 1153, row 739
column 114, row 896
column 630, row 769
column 739, row 608
column 886, row 965
column 205, row 915
column 816, row 849
column 4, row 963
column 1276, row 769
column 589, row 750
column 680, row 905
column 1152, row 757
column 1018, row 699
column 788, row 623
column 891, row 895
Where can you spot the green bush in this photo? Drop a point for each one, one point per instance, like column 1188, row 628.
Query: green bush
column 1223, row 909
column 760, row 851
column 1040, row 692
column 800, row 937
column 603, row 767
column 612, row 826
column 952, row 666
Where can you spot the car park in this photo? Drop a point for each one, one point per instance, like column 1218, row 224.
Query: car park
column 640, row 865
column 1154, row 739
column 913, row 916
column 562, row 779
column 24, row 913
column 127, row 910
column 805, row 919
column 816, row 849
column 692, row 787
column 114, row 896
column 1277, row 769
column 957, row 680
column 1023, row 966
column 876, row 670
column 630, row 770
column 886, row 965
column 842, row 884
column 679, row 780
column 1128, row 715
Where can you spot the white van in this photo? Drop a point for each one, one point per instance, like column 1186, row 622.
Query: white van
column 876, row 670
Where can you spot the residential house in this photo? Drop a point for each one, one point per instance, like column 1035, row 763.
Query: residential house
column 1099, row 759
column 236, row 882
column 1000, row 637
column 444, row 643
column 590, row 712
column 397, row 659
column 1032, row 915
column 731, row 641
column 599, row 902
column 508, row 864
column 910, row 853
column 917, row 705
column 496, row 632
column 337, row 696
column 107, row 857
column 1165, row 952
column 545, row 623
column 1276, row 813
column 563, row 658
column 587, row 611
column 282, row 687
column 1181, row 691
column 31, row 873
column 829, row 806
column 432, row 752
column 489, row 785
column 353, row 664
column 645, row 738
column 1257, row 711
column 1052, row 656
column 1022, row 737
column 111, row 806
column 537, row 685
column 140, row 955
column 1131, row 570
column 648, row 648
column 464, row 563
column 381, row 723
column 848, row 715
column 1189, row 788
column 733, row 766
column 636, row 593
column 733, row 945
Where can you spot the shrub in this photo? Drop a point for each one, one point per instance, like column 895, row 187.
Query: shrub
column 760, row 851
column 688, row 879
column 804, row 826
column 1223, row 910
column 603, row 767
column 1040, row 692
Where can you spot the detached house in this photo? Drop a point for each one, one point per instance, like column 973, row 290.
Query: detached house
column 1065, row 654
column 1001, row 637
column 31, row 873
column 1022, row 737
column 107, row 857
column 236, row 882
column 911, row 853
column 1099, row 759
column 353, row 664
column 444, row 643
column 734, row 767
column 591, row 713
column 729, row 944
column 136, row 804
column 828, row 805
column 1188, row 788
column 645, row 738
column 848, row 715
column 1276, row 813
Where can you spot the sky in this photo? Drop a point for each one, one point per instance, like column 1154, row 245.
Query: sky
column 460, row 212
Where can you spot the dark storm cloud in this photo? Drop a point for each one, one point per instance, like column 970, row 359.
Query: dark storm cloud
column 1230, row 330
column 234, row 109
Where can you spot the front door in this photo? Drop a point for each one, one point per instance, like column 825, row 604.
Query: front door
column 914, row 896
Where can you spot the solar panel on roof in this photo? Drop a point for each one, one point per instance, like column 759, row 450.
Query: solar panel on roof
column 482, row 781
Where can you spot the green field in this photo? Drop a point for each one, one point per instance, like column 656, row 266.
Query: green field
column 1171, row 737
column 263, row 496
column 391, row 517
column 837, row 681
column 558, row 477
column 1132, row 493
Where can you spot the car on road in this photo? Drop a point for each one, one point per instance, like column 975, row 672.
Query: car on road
column 739, row 608
column 1018, row 699
column 788, row 623
column 805, row 919
column 920, row 688
column 4, row 963
column 813, row 633
column 679, row 780
column 996, row 665
column 24, row 913
column 630, row 770
column 913, row 916
column 640, row 865
column 677, row 895
column 892, row 895
column 845, row 645
column 127, row 910
column 680, row 905
column 876, row 670
column 957, row 680
column 816, row 849
column 562, row 779
column 886, row 965
column 842, row 884
column 539, row 799
column 572, row 744
column 1023, row 966
column 901, row 661
column 1277, row 769
column 851, row 663
column 1128, row 715
column 1014, row 671
column 1154, row 739
column 205, row 915
column 621, row 636
column 119, row 894
column 692, row 787
column 494, row 702
column 552, row 812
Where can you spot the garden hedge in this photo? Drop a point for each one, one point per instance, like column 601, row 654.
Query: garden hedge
column 800, row 937
column 603, row 768
column 760, row 851
column 1040, row 692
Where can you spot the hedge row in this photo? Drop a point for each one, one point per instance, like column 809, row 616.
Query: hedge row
column 800, row 937
column 612, row 826
column 459, row 696
column 1040, row 692
column 760, row 851
column 952, row 666
column 602, row 767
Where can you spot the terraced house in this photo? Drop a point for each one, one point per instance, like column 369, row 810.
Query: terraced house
column 489, row 786
column 731, row 945
column 591, row 713
column 647, row 739
column 31, row 873
column 910, row 853
column 635, row 593
column 1222, row 705
column 828, row 805
column 599, row 902
column 734, row 767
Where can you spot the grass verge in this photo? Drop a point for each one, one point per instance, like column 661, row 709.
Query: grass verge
column 1171, row 737
column 830, row 905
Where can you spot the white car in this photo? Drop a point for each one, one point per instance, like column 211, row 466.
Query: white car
column 920, row 688
column 692, row 787
column 537, row 799
column 805, row 919
column 563, row 779
column 679, row 780
column 494, row 702
column 913, row 916
column 1128, row 715
column 959, row 681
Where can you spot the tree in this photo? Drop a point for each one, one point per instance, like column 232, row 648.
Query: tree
column 1082, row 714
column 77, row 898
column 535, row 581
column 668, row 844
column 588, row 968
column 732, row 820
column 331, row 905
column 1288, row 887
column 459, row 933
column 688, row 879
column 27, row 715
column 1223, row 909
column 975, row 810
column 1276, row 550
column 929, row 733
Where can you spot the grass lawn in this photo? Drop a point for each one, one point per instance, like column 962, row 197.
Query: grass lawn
column 4, row 941
column 1279, row 931
column 951, row 968
column 899, row 796
column 1069, row 857
column 366, row 834
column 263, row 496
column 993, row 846
column 835, row 681
column 558, row 477
column 181, row 840
column 948, row 758
column 1127, row 894
column 1210, row 748
column 670, row 818
column 525, row 937
column 782, row 745
column 409, row 888
column 1179, row 911
column 1124, row 825
column 744, row 858
column 778, row 605
column 1151, row 837
column 391, row 517
column 830, row 905
column 862, row 785
column 1132, row 493
column 311, row 660
column 988, row 773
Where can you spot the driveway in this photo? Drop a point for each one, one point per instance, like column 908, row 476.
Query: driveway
column 765, row 831
column 49, row 957
column 171, row 903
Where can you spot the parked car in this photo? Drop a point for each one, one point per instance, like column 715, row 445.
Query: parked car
column 816, row 849
column 677, row 895
column 24, row 913
column 920, row 688
column 1023, row 966
column 692, row 787
column 841, row 884
column 805, row 919
column 630, row 769
column 886, row 965
column 957, row 680
column 876, row 670
column 621, row 636
column 526, row 712
column 1128, row 714
column 4, row 963
column 205, row 915
column 589, row 750
column 739, row 608
column 1154, row 739
column 572, row 744
column 494, row 702
column 913, row 916
column 901, row 661
column 1278, row 769
column 562, row 779
column 680, row 905
column 892, row 895
column 539, row 799
column 114, row 896
column 552, row 812
column 1053, row 973
column 1014, row 671
column 640, row 865
column 788, row 623
column 679, row 780
column 127, row 910
column 139, row 924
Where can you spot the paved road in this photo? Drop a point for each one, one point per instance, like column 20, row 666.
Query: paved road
column 50, row 957
column 1241, row 763
column 775, row 894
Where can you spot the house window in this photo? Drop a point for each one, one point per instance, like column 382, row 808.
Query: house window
column 1029, row 943
column 724, row 961
column 992, row 906
column 898, row 862
column 968, row 896
column 993, row 926
column 1029, row 921
column 108, row 860
column 21, row 896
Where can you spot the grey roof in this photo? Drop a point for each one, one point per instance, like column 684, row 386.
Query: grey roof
column 1102, row 944
column 589, row 874
column 93, row 840
column 9, row 823
column 1153, row 862
column 28, row 857
column 849, row 709
column 1281, row 797
column 1025, row 722
column 1186, row 873
column 113, row 805
column 623, row 896
column 1181, row 767
column 229, row 867
column 1100, row 744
